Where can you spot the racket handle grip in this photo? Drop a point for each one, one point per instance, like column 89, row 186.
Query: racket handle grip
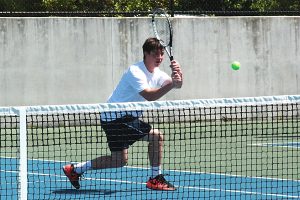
column 171, row 58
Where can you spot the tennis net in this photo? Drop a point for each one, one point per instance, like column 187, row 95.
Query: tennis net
column 232, row 148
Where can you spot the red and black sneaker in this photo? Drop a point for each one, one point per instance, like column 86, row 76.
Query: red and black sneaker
column 72, row 175
column 160, row 183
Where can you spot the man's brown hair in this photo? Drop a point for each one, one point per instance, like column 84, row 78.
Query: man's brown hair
column 152, row 45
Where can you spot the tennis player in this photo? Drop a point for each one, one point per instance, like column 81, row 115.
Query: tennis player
column 143, row 81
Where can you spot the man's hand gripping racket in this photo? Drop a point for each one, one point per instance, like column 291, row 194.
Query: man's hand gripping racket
column 163, row 31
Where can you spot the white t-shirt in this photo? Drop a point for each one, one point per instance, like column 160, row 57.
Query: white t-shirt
column 136, row 79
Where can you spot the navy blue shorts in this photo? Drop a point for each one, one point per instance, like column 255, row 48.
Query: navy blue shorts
column 123, row 132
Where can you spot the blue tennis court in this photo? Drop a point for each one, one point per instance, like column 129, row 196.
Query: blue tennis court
column 47, row 181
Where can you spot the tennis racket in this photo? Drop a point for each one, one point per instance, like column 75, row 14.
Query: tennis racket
column 163, row 31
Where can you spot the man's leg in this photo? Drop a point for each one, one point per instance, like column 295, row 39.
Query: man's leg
column 155, row 148
column 116, row 159
column 155, row 151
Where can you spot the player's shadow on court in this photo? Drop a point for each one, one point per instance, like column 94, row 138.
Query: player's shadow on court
column 81, row 191
column 90, row 192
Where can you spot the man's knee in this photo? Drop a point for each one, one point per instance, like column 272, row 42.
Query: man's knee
column 120, row 159
column 122, row 163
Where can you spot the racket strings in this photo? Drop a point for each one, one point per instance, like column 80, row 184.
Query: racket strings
column 163, row 30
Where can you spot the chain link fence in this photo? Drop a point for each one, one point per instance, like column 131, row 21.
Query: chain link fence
column 129, row 8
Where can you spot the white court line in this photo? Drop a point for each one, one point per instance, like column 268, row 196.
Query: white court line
column 277, row 145
column 218, row 174
column 183, row 187
column 173, row 170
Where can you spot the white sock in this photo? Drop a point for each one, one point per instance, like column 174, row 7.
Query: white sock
column 82, row 167
column 155, row 171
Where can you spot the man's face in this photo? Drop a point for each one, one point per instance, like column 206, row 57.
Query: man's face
column 155, row 57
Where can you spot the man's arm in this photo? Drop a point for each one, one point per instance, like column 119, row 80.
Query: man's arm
column 152, row 94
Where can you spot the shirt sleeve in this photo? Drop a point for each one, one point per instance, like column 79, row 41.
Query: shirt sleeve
column 137, row 79
column 164, row 77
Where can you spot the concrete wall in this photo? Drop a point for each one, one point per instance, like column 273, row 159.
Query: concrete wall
column 80, row 60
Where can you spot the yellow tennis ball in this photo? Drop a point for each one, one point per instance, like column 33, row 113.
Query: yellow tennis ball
column 235, row 65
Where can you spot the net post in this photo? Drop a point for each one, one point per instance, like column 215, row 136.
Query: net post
column 23, row 154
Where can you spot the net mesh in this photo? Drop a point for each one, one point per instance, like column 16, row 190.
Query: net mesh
column 9, row 164
column 213, row 149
